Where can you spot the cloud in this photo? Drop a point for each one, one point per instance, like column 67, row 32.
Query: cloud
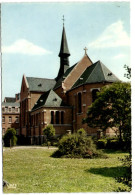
column 119, row 56
column 113, row 36
column 23, row 46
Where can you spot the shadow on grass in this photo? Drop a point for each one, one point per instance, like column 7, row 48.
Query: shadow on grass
column 109, row 171
column 112, row 151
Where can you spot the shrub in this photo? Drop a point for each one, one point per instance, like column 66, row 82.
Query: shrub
column 81, row 132
column 127, row 177
column 101, row 143
column 10, row 138
column 76, row 146
column 113, row 143
column 49, row 131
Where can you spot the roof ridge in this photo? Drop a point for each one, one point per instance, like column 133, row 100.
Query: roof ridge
column 102, row 68
column 93, row 68
column 40, row 78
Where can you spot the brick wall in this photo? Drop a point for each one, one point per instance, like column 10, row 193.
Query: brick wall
column 7, row 124
column 86, row 94
column 44, row 118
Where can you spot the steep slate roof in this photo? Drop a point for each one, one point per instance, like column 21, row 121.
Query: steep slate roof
column 9, row 99
column 40, row 84
column 12, row 104
column 59, row 82
column 64, row 46
column 48, row 99
column 96, row 73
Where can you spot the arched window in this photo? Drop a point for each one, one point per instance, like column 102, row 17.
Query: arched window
column 79, row 102
column 62, row 117
column 94, row 94
column 57, row 117
column 52, row 117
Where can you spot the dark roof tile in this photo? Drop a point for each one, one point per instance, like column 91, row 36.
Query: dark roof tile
column 96, row 73
column 40, row 84
column 48, row 99
column 12, row 104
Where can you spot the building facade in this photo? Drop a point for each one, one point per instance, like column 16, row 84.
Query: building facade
column 11, row 114
column 64, row 100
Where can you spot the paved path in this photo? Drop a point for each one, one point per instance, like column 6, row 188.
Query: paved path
column 30, row 147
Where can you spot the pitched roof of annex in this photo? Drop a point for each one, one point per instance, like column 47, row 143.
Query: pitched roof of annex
column 96, row 73
column 48, row 99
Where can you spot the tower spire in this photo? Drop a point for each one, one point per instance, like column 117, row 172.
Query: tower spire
column 63, row 20
column 63, row 54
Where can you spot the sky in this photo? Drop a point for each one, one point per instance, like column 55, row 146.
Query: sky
column 31, row 36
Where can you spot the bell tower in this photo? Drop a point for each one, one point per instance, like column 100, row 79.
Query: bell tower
column 63, row 54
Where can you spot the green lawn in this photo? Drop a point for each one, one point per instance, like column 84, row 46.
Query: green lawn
column 33, row 170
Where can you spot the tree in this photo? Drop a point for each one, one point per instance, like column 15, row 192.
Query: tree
column 128, row 69
column 49, row 131
column 112, row 108
column 10, row 138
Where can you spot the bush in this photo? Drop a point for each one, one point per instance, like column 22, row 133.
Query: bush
column 81, row 132
column 127, row 177
column 113, row 143
column 10, row 135
column 101, row 143
column 49, row 131
column 76, row 146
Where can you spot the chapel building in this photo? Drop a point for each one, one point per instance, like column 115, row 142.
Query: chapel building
column 64, row 100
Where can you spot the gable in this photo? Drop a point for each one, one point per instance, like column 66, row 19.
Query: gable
column 76, row 72
column 24, row 88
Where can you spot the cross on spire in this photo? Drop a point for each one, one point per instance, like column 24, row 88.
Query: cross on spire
column 63, row 20
column 85, row 49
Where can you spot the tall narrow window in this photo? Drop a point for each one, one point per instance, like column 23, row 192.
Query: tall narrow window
column 79, row 102
column 10, row 119
column 3, row 119
column 9, row 109
column 17, row 119
column 36, row 119
column 57, row 117
column 94, row 94
column 52, row 117
column 3, row 109
column 62, row 117
column 3, row 131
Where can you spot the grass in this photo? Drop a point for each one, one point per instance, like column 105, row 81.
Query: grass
column 33, row 170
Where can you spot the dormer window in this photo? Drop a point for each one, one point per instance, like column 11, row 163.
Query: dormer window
column 40, row 85
column 109, row 74
column 55, row 99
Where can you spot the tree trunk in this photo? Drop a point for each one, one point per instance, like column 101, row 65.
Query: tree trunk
column 10, row 143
